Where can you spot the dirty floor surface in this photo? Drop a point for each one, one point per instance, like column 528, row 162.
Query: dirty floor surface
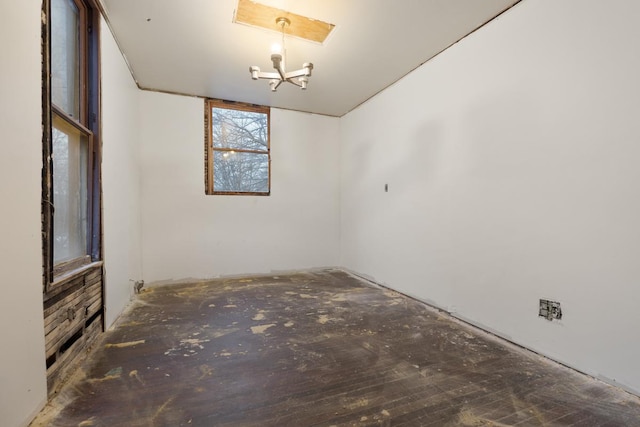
column 317, row 349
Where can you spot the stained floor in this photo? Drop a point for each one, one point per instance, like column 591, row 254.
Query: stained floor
column 318, row 348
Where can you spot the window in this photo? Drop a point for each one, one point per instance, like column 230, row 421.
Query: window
column 237, row 157
column 70, row 165
column 71, row 207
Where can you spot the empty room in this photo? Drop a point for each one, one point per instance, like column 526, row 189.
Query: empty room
column 320, row 213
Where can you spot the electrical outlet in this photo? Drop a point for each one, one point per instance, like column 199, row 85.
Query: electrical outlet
column 550, row 309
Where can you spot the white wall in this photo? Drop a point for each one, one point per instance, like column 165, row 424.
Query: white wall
column 512, row 164
column 187, row 234
column 510, row 159
column 22, row 362
column 120, row 178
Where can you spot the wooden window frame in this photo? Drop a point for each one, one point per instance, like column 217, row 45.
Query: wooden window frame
column 210, row 149
column 88, row 124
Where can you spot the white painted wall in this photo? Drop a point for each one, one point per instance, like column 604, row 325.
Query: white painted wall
column 512, row 164
column 22, row 363
column 120, row 178
column 187, row 234
column 510, row 159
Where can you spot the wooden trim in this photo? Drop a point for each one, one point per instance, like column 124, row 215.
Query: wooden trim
column 47, row 161
column 94, row 102
column 234, row 105
column 83, row 60
column 66, row 266
column 72, row 274
column 69, row 119
column 208, row 153
column 269, row 148
column 239, row 150
column 238, row 193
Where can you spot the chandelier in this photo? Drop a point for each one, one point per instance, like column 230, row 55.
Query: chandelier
column 299, row 77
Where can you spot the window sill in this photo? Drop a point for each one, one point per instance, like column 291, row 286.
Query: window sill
column 72, row 274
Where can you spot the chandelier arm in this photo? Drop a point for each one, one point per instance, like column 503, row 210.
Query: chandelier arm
column 281, row 73
column 269, row 76
column 294, row 82
column 298, row 73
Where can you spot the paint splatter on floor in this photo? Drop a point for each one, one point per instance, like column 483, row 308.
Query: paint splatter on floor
column 260, row 329
column 124, row 344
column 335, row 351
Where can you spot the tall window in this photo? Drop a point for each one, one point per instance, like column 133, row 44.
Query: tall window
column 71, row 150
column 237, row 154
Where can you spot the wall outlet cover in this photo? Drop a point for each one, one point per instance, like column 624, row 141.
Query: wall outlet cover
column 550, row 309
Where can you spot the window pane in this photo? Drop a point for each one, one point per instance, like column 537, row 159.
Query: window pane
column 240, row 172
column 65, row 56
column 70, row 152
column 237, row 129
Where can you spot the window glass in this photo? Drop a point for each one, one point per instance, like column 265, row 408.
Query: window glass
column 70, row 152
column 65, row 56
column 239, row 129
column 236, row 171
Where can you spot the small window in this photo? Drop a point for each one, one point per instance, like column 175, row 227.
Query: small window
column 237, row 155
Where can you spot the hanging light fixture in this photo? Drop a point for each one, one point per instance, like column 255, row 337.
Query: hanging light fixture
column 299, row 77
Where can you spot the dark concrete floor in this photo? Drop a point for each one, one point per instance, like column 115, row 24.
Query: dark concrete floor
column 317, row 349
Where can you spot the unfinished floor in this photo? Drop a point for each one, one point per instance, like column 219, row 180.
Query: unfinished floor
column 317, row 348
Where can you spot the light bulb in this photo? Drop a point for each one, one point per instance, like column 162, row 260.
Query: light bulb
column 276, row 48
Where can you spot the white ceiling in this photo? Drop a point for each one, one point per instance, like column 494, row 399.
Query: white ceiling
column 192, row 47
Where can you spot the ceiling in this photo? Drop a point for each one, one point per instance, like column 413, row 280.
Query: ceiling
column 193, row 47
